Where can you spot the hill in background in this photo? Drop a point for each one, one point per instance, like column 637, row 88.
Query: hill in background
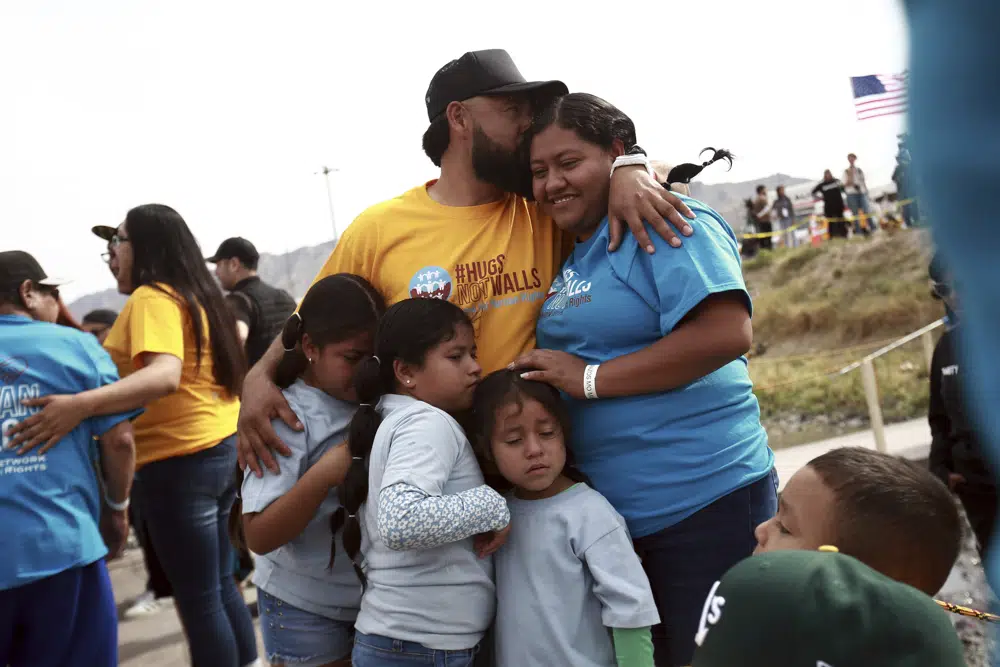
column 818, row 311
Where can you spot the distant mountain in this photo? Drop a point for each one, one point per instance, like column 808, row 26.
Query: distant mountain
column 295, row 270
column 292, row 271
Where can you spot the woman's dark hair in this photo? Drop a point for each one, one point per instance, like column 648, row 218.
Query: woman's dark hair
column 601, row 123
column 684, row 173
column 165, row 252
column 334, row 309
column 408, row 331
column 502, row 388
column 591, row 118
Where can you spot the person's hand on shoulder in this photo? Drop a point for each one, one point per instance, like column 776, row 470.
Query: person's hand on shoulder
column 262, row 402
column 635, row 196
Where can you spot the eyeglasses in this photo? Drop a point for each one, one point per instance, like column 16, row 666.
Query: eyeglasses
column 117, row 240
column 106, row 257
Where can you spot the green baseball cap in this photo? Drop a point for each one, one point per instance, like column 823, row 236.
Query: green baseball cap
column 820, row 609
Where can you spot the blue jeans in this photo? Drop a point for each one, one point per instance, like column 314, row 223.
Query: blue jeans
column 66, row 620
column 858, row 203
column 686, row 559
column 378, row 651
column 294, row 637
column 186, row 500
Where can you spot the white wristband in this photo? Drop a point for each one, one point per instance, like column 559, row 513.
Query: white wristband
column 116, row 507
column 630, row 160
column 590, row 381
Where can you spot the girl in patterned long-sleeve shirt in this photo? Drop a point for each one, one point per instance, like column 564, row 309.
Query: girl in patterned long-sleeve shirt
column 414, row 497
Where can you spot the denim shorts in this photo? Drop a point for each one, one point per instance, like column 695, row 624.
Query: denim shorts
column 299, row 638
column 378, row 651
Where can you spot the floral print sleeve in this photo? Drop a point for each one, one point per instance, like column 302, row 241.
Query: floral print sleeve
column 409, row 518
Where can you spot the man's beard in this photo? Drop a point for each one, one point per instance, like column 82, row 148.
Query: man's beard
column 507, row 170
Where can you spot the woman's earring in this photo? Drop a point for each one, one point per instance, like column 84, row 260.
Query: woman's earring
column 310, row 359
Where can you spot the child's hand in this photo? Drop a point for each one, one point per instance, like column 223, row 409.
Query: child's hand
column 486, row 544
column 334, row 464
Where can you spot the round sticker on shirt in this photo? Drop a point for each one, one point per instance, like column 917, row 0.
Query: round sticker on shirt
column 431, row 282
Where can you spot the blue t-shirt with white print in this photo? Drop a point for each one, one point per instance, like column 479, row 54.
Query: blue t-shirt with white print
column 49, row 503
column 658, row 458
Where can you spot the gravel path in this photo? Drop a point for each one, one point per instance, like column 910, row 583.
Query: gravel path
column 967, row 586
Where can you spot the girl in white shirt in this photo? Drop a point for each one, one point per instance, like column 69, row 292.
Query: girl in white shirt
column 414, row 497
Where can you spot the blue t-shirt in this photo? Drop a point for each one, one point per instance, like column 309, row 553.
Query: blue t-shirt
column 49, row 504
column 658, row 458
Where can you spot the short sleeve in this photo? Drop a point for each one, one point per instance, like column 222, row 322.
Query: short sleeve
column 620, row 583
column 423, row 452
column 258, row 493
column 675, row 280
column 355, row 252
column 156, row 324
column 104, row 373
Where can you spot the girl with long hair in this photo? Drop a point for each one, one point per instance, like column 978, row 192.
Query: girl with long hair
column 414, row 496
column 307, row 603
column 177, row 349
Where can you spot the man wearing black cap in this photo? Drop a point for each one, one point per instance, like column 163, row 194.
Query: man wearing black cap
column 465, row 237
column 260, row 309
column 56, row 602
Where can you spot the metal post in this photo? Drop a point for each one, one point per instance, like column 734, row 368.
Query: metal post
column 329, row 196
column 874, row 407
column 928, row 341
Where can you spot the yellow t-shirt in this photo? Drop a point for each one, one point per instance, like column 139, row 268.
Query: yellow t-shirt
column 497, row 261
column 201, row 413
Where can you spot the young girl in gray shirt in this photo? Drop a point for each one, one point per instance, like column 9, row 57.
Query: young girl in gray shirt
column 308, row 605
column 570, row 587
column 419, row 522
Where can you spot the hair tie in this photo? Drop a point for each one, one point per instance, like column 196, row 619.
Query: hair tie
column 298, row 333
column 357, row 458
column 352, row 516
column 365, row 405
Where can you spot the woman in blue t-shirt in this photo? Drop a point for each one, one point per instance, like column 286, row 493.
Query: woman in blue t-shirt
column 648, row 347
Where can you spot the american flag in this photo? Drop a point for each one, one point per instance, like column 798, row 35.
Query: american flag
column 879, row 95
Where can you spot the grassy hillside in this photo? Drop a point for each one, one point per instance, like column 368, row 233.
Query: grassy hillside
column 816, row 310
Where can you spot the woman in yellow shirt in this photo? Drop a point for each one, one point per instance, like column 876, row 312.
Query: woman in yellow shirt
column 178, row 353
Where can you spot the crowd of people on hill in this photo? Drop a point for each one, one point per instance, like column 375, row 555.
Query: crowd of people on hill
column 772, row 221
column 510, row 423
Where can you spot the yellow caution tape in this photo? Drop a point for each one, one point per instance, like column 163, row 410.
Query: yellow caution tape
column 823, row 222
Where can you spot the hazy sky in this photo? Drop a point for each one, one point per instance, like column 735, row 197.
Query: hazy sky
column 225, row 110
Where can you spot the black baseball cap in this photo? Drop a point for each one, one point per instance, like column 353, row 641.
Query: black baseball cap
column 104, row 232
column 237, row 247
column 16, row 266
column 489, row 72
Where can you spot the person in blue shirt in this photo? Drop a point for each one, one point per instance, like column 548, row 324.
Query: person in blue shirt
column 649, row 350
column 57, row 608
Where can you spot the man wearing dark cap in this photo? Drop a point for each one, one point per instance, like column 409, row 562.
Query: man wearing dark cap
column 59, row 523
column 260, row 309
column 466, row 236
